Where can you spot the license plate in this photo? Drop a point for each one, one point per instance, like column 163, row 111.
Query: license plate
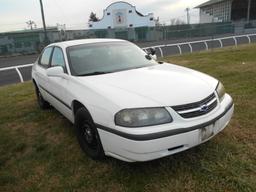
column 207, row 132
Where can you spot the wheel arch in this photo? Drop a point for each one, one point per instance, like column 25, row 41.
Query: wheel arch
column 34, row 82
column 77, row 105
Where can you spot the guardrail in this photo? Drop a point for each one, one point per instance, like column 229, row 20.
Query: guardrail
column 190, row 44
column 17, row 70
column 205, row 42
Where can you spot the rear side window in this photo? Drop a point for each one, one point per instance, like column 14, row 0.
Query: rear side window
column 45, row 58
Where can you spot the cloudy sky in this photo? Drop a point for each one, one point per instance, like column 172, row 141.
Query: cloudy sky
column 75, row 13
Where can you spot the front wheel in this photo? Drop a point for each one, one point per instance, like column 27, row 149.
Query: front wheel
column 87, row 135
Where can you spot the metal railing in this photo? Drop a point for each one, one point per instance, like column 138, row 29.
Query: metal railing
column 205, row 42
column 17, row 70
column 160, row 48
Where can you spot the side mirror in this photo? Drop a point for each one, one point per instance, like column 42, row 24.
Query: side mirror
column 152, row 53
column 55, row 71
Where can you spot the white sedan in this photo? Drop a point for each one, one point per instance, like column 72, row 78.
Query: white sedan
column 127, row 105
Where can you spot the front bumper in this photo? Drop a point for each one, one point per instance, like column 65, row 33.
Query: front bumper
column 144, row 147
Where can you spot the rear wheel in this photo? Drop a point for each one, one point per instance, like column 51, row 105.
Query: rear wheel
column 87, row 135
column 40, row 100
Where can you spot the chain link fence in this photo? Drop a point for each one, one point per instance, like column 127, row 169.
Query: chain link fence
column 33, row 41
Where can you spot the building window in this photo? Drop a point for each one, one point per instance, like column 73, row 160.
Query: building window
column 108, row 13
column 109, row 27
column 130, row 11
column 90, row 25
column 151, row 19
column 131, row 25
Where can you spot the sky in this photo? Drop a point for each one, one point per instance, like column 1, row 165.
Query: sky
column 75, row 13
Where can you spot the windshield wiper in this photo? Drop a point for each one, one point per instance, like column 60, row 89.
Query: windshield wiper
column 94, row 73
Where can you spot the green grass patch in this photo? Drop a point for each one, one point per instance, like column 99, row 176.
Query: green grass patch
column 39, row 151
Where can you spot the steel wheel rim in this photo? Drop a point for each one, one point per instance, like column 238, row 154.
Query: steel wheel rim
column 89, row 135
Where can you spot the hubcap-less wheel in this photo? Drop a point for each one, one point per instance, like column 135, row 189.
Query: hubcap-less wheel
column 40, row 98
column 41, row 102
column 87, row 134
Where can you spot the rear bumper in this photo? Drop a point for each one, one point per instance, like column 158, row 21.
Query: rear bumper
column 145, row 147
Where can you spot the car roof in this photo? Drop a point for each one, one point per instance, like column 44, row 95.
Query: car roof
column 65, row 44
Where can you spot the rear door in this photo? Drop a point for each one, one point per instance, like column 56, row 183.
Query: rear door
column 40, row 72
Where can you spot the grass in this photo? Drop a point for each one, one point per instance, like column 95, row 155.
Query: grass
column 39, row 151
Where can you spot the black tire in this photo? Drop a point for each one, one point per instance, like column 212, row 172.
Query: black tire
column 87, row 135
column 40, row 100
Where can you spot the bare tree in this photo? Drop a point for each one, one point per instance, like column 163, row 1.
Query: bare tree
column 173, row 21
column 177, row 21
column 158, row 22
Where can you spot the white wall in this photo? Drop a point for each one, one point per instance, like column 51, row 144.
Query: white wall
column 118, row 15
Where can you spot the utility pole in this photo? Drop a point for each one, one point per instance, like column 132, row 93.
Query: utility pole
column 43, row 19
column 249, row 11
column 212, row 33
column 188, row 16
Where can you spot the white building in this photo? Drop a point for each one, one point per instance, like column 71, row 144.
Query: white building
column 123, row 15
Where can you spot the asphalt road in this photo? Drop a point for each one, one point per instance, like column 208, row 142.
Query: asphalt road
column 11, row 76
column 17, row 60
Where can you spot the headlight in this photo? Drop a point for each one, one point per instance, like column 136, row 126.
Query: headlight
column 142, row 117
column 221, row 91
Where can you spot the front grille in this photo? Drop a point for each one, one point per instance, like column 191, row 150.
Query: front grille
column 198, row 108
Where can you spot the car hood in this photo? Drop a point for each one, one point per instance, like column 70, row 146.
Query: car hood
column 159, row 85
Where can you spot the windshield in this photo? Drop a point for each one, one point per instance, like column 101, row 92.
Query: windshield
column 100, row 58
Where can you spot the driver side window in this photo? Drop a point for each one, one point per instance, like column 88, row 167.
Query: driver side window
column 58, row 58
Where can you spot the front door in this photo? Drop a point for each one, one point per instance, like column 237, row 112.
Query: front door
column 59, row 85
